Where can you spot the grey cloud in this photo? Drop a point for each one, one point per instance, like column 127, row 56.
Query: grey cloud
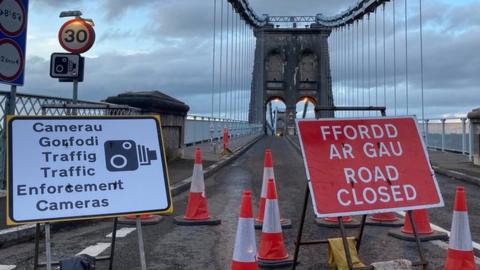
column 117, row 8
column 181, row 66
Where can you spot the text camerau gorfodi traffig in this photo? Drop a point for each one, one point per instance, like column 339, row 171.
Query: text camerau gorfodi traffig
column 59, row 155
column 387, row 146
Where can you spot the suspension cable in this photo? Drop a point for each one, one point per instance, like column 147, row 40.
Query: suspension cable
column 221, row 67
column 363, row 65
column 421, row 66
column 406, row 56
column 358, row 70
column 376, row 61
column 384, row 62
column 234, row 110
column 369, row 66
column 213, row 54
column 224, row 93
column 232, row 58
column 352, row 38
column 394, row 60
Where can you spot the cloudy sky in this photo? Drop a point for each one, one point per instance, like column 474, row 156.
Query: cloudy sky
column 167, row 45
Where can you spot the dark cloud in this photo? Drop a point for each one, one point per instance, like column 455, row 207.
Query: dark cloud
column 180, row 64
column 117, row 8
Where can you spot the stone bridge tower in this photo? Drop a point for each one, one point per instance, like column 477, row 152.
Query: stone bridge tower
column 291, row 64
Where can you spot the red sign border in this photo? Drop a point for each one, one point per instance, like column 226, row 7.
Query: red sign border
column 367, row 212
column 87, row 46
column 22, row 61
column 24, row 23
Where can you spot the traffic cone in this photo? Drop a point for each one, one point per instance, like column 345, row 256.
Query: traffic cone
column 226, row 142
column 460, row 250
column 332, row 222
column 272, row 252
column 422, row 224
column 146, row 219
column 244, row 252
column 197, row 206
column 268, row 174
column 385, row 220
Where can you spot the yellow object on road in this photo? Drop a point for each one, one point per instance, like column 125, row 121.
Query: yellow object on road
column 336, row 254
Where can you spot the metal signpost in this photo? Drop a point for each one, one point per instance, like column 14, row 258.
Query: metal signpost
column 75, row 36
column 85, row 168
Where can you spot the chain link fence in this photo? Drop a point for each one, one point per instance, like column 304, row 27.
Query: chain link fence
column 35, row 105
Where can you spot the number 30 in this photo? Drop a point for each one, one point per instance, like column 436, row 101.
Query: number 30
column 72, row 36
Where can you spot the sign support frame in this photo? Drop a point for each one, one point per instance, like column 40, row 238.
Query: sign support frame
column 343, row 232
column 49, row 263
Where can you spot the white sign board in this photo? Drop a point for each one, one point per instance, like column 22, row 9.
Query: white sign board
column 64, row 168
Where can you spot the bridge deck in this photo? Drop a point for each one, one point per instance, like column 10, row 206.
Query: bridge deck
column 173, row 247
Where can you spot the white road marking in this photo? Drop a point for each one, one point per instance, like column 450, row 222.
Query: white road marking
column 442, row 244
column 15, row 229
column 122, row 232
column 7, row 267
column 95, row 250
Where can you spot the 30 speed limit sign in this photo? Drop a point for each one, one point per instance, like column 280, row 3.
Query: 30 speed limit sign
column 76, row 35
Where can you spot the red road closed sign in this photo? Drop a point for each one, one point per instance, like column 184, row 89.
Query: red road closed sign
column 363, row 166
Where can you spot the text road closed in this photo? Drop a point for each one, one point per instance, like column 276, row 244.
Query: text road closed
column 361, row 166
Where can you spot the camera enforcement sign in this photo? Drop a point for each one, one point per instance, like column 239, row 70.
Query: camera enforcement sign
column 66, row 65
column 363, row 166
column 65, row 168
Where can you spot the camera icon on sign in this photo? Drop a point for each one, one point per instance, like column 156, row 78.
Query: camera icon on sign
column 126, row 155
column 63, row 65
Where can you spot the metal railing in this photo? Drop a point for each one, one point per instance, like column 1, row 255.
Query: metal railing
column 202, row 129
column 451, row 134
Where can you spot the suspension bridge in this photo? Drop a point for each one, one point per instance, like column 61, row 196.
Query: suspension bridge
column 267, row 71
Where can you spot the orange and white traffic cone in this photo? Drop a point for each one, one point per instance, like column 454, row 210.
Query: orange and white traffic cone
column 422, row 225
column 226, row 142
column 272, row 251
column 146, row 219
column 268, row 173
column 197, row 206
column 460, row 249
column 332, row 222
column 245, row 250
column 389, row 219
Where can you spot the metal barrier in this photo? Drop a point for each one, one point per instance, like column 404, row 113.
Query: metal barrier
column 448, row 134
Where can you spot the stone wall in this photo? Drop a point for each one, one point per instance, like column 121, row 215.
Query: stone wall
column 172, row 113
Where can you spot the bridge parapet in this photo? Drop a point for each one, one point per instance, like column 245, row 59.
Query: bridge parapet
column 474, row 117
column 172, row 111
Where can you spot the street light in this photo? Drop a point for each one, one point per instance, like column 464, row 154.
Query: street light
column 70, row 13
column 76, row 14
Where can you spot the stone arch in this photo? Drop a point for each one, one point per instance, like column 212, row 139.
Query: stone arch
column 311, row 99
column 272, row 114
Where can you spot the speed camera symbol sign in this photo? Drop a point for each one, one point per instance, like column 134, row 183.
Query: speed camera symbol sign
column 76, row 35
